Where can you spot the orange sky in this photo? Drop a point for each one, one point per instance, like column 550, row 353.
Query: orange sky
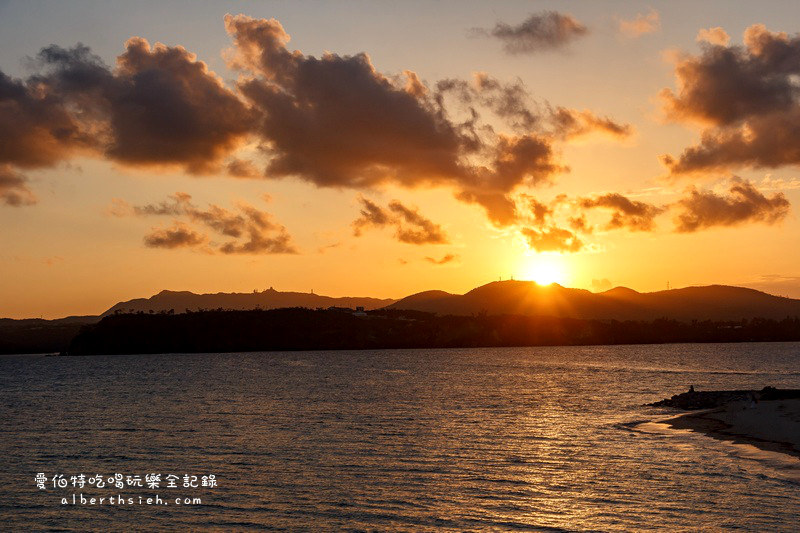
column 359, row 150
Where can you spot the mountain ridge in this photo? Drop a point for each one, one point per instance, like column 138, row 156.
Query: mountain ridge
column 710, row 302
column 180, row 301
column 714, row 302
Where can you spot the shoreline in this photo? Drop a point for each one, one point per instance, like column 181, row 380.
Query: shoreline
column 772, row 425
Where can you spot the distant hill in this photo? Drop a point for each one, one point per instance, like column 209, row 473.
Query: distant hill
column 714, row 302
column 35, row 335
column 180, row 301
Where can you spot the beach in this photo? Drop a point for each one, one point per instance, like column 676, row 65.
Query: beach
column 770, row 425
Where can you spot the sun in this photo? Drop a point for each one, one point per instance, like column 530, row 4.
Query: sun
column 545, row 269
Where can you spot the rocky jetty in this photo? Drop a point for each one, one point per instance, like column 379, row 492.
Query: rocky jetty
column 693, row 400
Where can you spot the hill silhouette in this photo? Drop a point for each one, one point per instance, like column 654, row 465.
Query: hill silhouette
column 339, row 329
column 722, row 312
column 36, row 335
column 527, row 298
column 180, row 301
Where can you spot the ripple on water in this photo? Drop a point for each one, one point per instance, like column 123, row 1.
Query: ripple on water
column 514, row 438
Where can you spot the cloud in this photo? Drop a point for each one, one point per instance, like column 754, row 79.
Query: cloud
column 571, row 123
column 600, row 285
column 626, row 213
column 743, row 204
column 449, row 258
column 371, row 215
column 251, row 231
column 263, row 237
column 409, row 225
column 416, row 229
column 769, row 183
column 510, row 101
column 580, row 224
column 716, row 35
column 546, row 30
column 159, row 106
column 540, row 212
column 36, row 129
column 542, row 231
column 763, row 141
column 787, row 286
column 335, row 121
column 14, row 189
column 178, row 236
column 552, row 239
column 119, row 208
column 746, row 98
column 243, row 168
column 641, row 24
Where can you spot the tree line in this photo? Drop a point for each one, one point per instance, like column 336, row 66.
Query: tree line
column 334, row 329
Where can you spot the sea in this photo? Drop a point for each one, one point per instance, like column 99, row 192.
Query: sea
column 501, row 439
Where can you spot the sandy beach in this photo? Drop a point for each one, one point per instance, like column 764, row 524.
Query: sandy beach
column 770, row 425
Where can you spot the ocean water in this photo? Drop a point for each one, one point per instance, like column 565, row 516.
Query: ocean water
column 463, row 439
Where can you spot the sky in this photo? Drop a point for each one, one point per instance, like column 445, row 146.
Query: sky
column 386, row 148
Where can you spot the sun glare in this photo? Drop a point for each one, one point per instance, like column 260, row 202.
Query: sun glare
column 545, row 269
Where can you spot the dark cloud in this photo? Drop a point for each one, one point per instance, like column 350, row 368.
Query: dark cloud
column 14, row 189
column 512, row 102
column 36, row 129
column 415, row 228
column 178, row 236
column 552, row 239
column 509, row 101
column 500, row 208
column 768, row 141
column 524, row 159
column 159, row 106
column 747, row 98
column 744, row 203
column 626, row 213
column 337, row 122
column 409, row 225
column 449, row 258
column 253, row 231
column 260, row 242
column 371, row 215
column 333, row 121
column 540, row 31
column 521, row 159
